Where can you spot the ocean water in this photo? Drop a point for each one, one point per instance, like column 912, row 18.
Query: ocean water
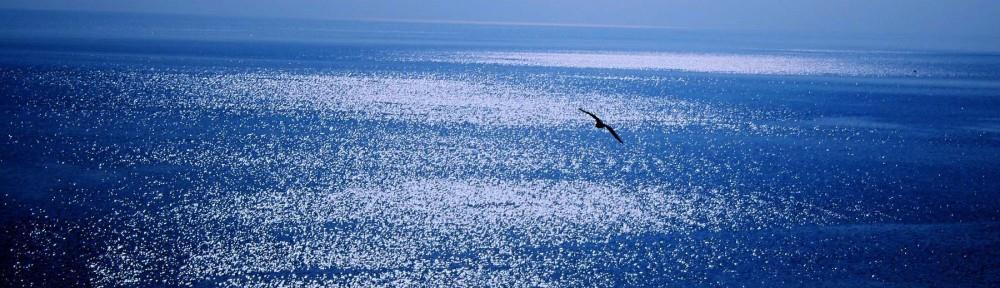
column 163, row 151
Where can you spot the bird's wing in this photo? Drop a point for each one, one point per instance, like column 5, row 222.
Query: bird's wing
column 613, row 133
column 591, row 114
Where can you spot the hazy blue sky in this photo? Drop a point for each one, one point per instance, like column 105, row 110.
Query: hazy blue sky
column 963, row 18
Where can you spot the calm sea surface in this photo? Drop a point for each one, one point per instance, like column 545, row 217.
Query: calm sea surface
column 144, row 150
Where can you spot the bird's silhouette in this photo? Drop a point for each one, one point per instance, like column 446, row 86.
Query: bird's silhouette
column 600, row 125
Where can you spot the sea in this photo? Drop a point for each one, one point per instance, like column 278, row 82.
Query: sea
column 156, row 150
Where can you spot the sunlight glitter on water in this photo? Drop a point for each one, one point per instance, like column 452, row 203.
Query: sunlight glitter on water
column 432, row 99
column 349, row 203
column 368, row 178
column 690, row 62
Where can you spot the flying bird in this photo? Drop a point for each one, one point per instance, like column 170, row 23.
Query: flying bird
column 600, row 124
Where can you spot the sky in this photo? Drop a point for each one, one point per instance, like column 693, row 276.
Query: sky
column 932, row 18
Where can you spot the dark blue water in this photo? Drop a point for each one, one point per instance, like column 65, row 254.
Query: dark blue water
column 145, row 150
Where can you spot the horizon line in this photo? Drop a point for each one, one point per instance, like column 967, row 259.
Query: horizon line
column 374, row 19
